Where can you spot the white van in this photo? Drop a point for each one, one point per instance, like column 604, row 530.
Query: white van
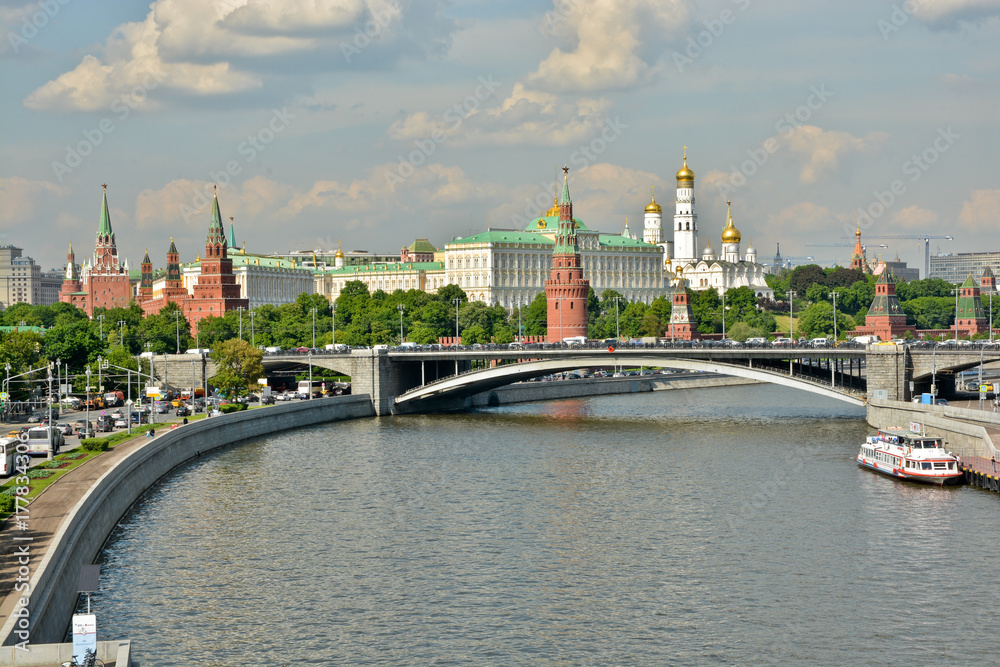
column 338, row 347
column 39, row 438
column 577, row 341
column 819, row 342
column 199, row 350
column 866, row 340
column 274, row 349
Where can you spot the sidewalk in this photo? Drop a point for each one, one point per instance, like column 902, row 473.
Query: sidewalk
column 46, row 513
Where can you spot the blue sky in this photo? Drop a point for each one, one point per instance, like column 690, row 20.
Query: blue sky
column 376, row 122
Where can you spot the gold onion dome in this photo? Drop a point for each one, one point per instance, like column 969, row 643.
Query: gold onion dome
column 652, row 206
column 730, row 234
column 340, row 253
column 685, row 174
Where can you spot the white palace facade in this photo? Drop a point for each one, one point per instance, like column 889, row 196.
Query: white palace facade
column 509, row 267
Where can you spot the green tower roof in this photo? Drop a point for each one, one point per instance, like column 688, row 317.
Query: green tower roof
column 105, row 228
column 216, row 234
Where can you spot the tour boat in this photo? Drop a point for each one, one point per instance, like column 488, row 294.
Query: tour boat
column 905, row 455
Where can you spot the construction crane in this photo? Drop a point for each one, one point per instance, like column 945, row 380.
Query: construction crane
column 926, row 238
column 802, row 260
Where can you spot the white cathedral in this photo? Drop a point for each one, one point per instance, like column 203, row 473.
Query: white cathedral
column 681, row 261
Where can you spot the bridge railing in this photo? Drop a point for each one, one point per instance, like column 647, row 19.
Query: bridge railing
column 625, row 345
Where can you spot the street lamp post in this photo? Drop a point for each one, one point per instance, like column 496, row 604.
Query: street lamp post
column 723, row 315
column 456, row 301
column 87, row 426
column 314, row 328
column 121, row 335
column 6, row 388
column 310, row 375
column 240, row 309
column 618, row 332
column 791, row 315
column 519, row 337
column 333, row 325
column 52, row 430
column 835, row 319
column 401, row 308
column 100, row 318
column 253, row 340
column 58, row 381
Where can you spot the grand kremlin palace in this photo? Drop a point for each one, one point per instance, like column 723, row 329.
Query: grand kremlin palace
column 510, row 267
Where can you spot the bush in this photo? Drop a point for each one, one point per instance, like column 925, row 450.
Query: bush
column 95, row 444
column 6, row 504
column 71, row 456
column 40, row 473
column 231, row 407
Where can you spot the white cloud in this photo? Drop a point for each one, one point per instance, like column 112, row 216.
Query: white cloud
column 950, row 12
column 200, row 48
column 611, row 43
column 526, row 117
column 822, row 149
column 21, row 197
column 915, row 218
column 982, row 212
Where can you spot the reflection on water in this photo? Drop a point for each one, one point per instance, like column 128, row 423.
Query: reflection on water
column 726, row 526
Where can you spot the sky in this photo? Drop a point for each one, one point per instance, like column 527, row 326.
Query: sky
column 375, row 122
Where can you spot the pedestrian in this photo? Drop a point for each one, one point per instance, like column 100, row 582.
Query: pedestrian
column 147, row 435
column 152, row 433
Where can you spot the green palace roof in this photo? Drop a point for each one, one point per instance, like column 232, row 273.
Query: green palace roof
column 387, row 268
column 26, row 327
column 526, row 238
column 422, row 245
column 550, row 223
column 241, row 258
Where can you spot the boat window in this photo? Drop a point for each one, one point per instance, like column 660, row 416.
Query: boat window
column 951, row 465
column 926, row 465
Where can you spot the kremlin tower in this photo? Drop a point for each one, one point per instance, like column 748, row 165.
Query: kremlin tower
column 858, row 260
column 216, row 290
column 104, row 282
column 566, row 290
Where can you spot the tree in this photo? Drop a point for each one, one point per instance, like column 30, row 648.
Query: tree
column 928, row 312
column 474, row 334
column 804, row 276
column 450, row 292
column 817, row 292
column 535, row 317
column 238, row 366
column 817, row 320
column 741, row 331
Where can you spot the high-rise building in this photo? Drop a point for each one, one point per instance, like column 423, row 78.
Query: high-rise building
column 566, row 290
column 954, row 268
column 23, row 280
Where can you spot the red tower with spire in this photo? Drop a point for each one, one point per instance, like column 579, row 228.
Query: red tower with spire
column 104, row 283
column 216, row 290
column 566, row 289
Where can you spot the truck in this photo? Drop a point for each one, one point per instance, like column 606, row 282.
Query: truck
column 95, row 403
column 113, row 399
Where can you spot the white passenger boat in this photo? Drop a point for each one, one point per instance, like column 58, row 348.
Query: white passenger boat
column 919, row 458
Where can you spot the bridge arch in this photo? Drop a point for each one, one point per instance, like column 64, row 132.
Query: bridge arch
column 474, row 382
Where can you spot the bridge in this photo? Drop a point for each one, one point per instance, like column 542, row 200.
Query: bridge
column 426, row 380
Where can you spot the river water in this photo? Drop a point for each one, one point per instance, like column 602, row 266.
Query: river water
column 720, row 526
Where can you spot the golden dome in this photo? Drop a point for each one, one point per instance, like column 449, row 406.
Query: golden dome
column 339, row 254
column 652, row 206
column 730, row 234
column 685, row 174
column 554, row 211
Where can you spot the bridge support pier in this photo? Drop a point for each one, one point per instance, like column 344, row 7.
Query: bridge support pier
column 889, row 369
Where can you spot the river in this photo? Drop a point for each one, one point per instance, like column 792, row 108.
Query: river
column 718, row 526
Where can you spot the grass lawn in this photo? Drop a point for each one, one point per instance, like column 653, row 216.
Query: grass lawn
column 783, row 321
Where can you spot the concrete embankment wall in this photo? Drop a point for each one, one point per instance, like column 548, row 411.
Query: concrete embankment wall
column 964, row 430
column 46, row 655
column 525, row 392
column 83, row 532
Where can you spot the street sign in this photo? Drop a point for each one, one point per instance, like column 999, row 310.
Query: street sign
column 104, row 413
column 152, row 392
column 914, row 427
column 3, row 396
column 84, row 635
column 262, row 381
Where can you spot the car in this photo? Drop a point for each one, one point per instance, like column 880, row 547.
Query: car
column 183, row 411
column 302, row 349
column 267, row 400
column 80, row 423
column 781, row 342
column 86, row 432
column 758, row 342
column 117, row 414
column 121, row 423
column 941, row 401
column 65, row 428
column 819, row 342
column 163, row 408
column 14, row 433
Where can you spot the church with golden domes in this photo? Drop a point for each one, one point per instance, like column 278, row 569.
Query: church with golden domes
column 729, row 269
